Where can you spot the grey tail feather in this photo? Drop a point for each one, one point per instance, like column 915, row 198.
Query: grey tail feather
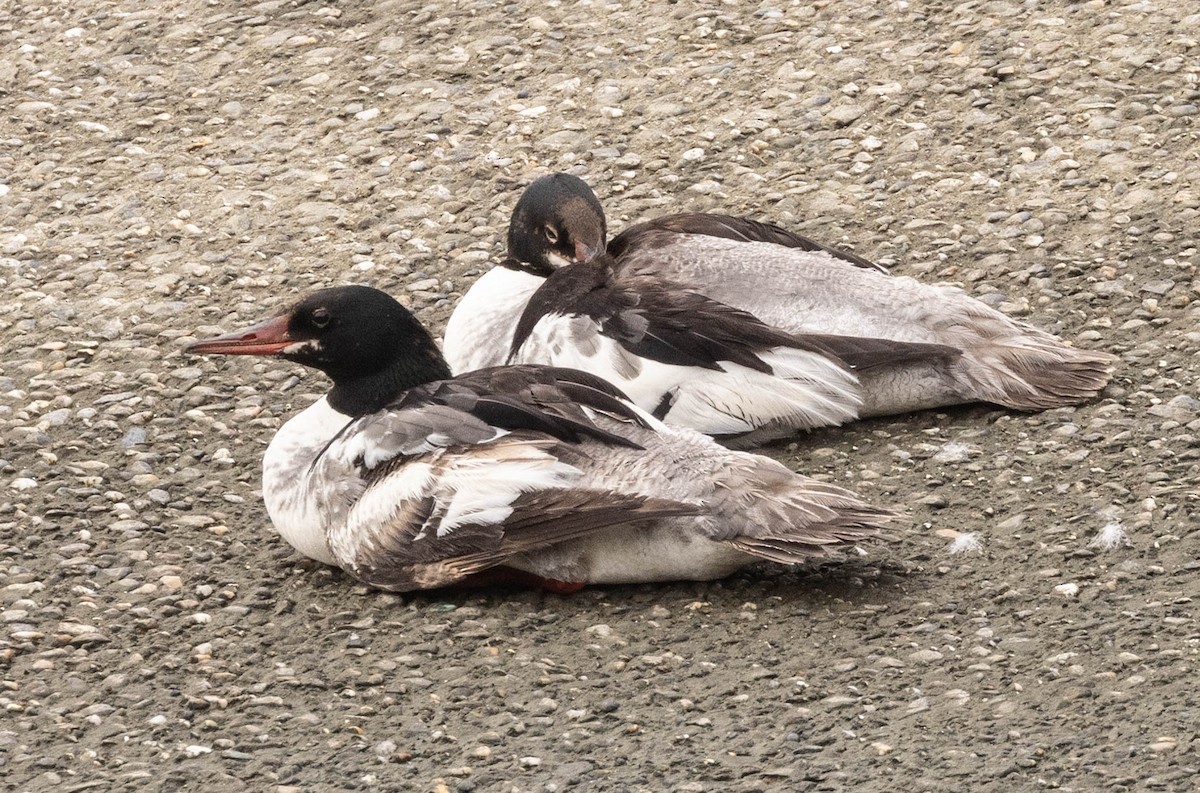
column 816, row 541
column 1043, row 378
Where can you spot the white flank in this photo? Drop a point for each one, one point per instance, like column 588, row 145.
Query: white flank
column 480, row 329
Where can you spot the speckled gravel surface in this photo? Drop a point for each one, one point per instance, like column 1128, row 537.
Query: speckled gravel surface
column 171, row 170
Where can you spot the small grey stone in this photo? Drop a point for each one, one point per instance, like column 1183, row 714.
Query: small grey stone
column 843, row 115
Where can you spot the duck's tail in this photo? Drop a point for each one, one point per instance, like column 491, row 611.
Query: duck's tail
column 1034, row 371
column 789, row 518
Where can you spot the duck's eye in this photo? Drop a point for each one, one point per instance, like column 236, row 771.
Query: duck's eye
column 320, row 318
column 551, row 234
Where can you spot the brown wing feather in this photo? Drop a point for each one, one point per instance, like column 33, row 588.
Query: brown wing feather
column 529, row 397
column 862, row 352
column 538, row 520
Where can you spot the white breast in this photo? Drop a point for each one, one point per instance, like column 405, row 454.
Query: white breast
column 300, row 512
column 481, row 328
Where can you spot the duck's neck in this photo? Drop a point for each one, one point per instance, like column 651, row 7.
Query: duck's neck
column 365, row 394
column 539, row 269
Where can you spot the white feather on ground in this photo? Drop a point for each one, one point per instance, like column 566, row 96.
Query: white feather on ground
column 967, row 542
column 1112, row 535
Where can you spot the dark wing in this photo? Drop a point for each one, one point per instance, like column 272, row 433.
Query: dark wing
column 538, row 398
column 862, row 353
column 662, row 321
column 727, row 227
column 652, row 318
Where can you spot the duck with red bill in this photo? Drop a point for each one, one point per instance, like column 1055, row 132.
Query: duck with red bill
column 409, row 478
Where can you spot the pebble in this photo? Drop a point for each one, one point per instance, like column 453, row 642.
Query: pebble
column 925, row 656
column 843, row 115
column 134, row 436
column 424, row 285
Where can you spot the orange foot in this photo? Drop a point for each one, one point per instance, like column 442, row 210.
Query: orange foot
column 562, row 587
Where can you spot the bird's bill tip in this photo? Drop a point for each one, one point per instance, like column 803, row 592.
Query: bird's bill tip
column 585, row 252
column 266, row 338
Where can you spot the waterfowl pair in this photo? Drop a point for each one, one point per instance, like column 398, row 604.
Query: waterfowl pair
column 806, row 335
column 409, row 478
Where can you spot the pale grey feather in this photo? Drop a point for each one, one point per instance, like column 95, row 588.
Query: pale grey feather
column 1003, row 360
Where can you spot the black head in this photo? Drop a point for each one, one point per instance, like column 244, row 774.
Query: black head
column 557, row 221
column 369, row 345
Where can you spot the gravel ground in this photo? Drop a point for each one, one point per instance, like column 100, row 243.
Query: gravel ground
column 171, row 170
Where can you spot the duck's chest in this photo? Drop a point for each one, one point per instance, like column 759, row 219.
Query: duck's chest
column 480, row 330
column 300, row 495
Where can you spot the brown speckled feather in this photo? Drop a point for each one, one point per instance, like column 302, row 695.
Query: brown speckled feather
column 407, row 550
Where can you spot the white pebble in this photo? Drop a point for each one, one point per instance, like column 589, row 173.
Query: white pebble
column 1067, row 590
column 23, row 483
column 694, row 154
column 195, row 750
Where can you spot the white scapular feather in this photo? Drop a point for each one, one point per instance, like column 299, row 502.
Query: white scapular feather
column 482, row 489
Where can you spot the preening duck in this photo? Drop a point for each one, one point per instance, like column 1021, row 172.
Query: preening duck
column 790, row 283
column 697, row 363
column 409, row 478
